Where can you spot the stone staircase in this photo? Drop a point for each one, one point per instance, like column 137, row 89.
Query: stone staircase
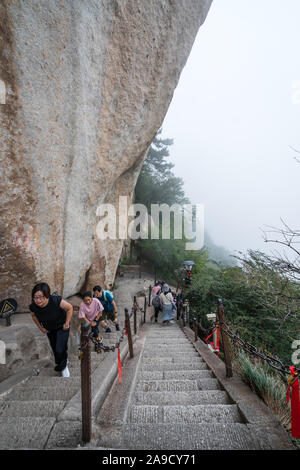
column 174, row 402
column 170, row 398
column 29, row 411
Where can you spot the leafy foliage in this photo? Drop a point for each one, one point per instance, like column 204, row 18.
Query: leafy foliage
column 261, row 305
column 270, row 387
column 156, row 183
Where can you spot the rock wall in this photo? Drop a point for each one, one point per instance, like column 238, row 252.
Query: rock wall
column 87, row 86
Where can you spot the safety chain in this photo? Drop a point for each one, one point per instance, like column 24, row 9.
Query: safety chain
column 273, row 362
column 209, row 330
column 142, row 311
column 99, row 344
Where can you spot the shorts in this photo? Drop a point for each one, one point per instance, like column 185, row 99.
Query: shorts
column 107, row 315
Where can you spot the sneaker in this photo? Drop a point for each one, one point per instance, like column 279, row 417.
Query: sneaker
column 108, row 330
column 171, row 321
column 117, row 327
column 65, row 372
column 58, row 368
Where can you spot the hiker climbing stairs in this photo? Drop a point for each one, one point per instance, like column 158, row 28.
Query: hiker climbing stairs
column 29, row 411
column 174, row 401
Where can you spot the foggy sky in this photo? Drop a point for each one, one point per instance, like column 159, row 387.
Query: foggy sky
column 234, row 116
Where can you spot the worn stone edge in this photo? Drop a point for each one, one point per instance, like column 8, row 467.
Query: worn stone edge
column 21, row 377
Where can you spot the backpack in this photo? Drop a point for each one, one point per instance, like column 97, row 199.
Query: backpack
column 107, row 302
column 156, row 301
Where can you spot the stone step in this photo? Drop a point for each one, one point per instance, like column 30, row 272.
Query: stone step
column 165, row 333
column 172, row 360
column 171, row 348
column 177, row 366
column 166, row 385
column 41, row 393
column 76, row 367
column 182, row 398
column 24, row 433
column 65, row 435
column 31, row 408
column 172, row 340
column 163, row 338
column 193, row 436
column 185, row 355
column 208, row 384
column 184, row 342
column 175, row 375
column 167, row 341
column 59, row 381
column 178, row 385
column 95, row 362
column 185, row 414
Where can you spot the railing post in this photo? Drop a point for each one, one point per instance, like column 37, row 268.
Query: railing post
column 150, row 290
column 86, row 399
column 225, row 341
column 134, row 315
column 183, row 315
column 128, row 329
column 145, row 308
column 195, row 328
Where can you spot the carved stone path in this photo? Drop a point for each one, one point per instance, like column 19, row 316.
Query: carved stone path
column 171, row 399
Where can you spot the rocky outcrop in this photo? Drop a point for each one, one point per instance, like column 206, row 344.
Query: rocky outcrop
column 87, row 85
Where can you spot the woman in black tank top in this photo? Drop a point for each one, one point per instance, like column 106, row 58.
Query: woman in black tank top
column 52, row 315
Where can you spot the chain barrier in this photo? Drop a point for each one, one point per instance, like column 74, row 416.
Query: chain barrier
column 142, row 311
column 209, row 330
column 99, row 344
column 273, row 362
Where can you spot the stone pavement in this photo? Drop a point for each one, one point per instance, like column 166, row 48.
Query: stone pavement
column 39, row 409
column 172, row 399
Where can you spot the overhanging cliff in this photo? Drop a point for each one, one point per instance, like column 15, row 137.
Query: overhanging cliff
column 87, row 86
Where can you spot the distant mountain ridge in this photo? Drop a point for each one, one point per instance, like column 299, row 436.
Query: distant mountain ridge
column 218, row 253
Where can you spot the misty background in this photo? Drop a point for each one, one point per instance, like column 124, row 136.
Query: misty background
column 234, row 118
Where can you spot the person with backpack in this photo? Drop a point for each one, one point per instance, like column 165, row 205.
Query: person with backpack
column 110, row 309
column 167, row 305
column 156, row 289
column 52, row 315
column 156, row 300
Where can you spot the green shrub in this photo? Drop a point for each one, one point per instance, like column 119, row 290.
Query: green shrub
column 268, row 385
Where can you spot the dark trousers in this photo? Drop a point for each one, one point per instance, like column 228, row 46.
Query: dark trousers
column 59, row 343
column 108, row 315
column 95, row 329
column 156, row 312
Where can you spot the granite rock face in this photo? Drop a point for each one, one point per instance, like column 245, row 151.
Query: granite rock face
column 87, row 86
